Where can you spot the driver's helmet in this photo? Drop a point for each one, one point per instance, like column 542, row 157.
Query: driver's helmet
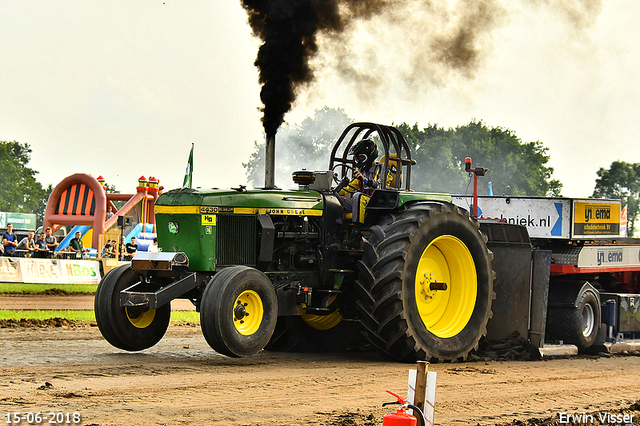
column 364, row 153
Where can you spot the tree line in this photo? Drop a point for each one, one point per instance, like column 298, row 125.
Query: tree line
column 516, row 167
column 20, row 192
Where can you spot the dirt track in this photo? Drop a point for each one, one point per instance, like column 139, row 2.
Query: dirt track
column 70, row 301
column 182, row 381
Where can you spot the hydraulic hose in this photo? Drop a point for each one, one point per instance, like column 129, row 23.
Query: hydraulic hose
column 419, row 416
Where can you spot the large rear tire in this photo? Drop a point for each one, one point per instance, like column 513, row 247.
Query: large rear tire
column 238, row 311
column 131, row 329
column 426, row 283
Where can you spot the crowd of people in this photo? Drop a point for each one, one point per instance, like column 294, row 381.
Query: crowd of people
column 45, row 245
column 125, row 251
column 41, row 247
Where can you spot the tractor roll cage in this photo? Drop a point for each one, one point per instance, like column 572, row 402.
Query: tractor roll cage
column 390, row 138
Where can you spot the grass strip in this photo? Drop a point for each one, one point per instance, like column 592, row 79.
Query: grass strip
column 21, row 288
column 82, row 315
column 40, row 314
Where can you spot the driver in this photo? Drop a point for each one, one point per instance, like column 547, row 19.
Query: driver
column 366, row 179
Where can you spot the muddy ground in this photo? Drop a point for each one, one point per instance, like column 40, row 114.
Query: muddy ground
column 65, row 368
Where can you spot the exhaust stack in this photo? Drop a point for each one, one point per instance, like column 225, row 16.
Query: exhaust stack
column 270, row 163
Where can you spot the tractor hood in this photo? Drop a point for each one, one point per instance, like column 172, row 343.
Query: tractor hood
column 252, row 201
column 213, row 225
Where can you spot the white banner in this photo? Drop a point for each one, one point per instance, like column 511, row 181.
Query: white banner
column 80, row 271
column 10, row 270
column 543, row 217
column 49, row 271
column 40, row 271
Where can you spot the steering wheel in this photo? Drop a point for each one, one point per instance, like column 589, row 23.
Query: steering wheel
column 341, row 183
column 335, row 175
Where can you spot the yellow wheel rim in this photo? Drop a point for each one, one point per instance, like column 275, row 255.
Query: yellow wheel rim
column 140, row 318
column 322, row 322
column 247, row 312
column 446, row 286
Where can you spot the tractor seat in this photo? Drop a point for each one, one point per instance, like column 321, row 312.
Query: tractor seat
column 394, row 169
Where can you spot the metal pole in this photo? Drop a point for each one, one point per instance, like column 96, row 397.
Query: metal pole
column 475, row 195
column 270, row 163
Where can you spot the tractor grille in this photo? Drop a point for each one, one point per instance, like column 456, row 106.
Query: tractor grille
column 236, row 242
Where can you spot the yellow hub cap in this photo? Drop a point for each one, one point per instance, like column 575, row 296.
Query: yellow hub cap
column 446, row 286
column 322, row 322
column 248, row 312
column 139, row 317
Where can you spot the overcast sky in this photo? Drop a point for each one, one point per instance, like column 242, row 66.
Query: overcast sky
column 123, row 88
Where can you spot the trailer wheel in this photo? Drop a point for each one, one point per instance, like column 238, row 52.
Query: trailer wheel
column 128, row 328
column 578, row 323
column 238, row 311
column 427, row 282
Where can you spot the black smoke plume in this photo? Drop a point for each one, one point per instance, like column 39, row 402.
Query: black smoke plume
column 435, row 37
column 289, row 29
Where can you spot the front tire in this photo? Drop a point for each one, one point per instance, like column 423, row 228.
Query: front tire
column 238, row 311
column 131, row 329
column 427, row 284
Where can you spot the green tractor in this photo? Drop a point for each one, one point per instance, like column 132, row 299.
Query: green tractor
column 279, row 269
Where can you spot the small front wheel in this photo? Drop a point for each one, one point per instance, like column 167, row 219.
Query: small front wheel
column 238, row 312
column 131, row 329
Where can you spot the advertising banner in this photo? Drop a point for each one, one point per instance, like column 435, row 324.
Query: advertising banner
column 594, row 218
column 20, row 221
column 40, row 271
column 80, row 271
column 49, row 271
column 609, row 257
column 543, row 217
column 10, row 270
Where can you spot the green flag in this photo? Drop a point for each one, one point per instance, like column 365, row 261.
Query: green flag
column 189, row 172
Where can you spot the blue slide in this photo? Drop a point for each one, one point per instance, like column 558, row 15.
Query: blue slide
column 137, row 230
column 83, row 229
column 144, row 235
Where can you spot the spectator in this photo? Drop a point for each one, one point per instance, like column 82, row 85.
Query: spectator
column 52, row 242
column 131, row 248
column 154, row 246
column 108, row 251
column 28, row 244
column 41, row 247
column 121, row 249
column 9, row 241
column 103, row 252
column 76, row 245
